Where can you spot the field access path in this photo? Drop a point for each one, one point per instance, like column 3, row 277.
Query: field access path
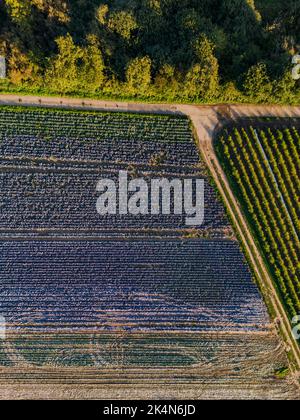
column 206, row 120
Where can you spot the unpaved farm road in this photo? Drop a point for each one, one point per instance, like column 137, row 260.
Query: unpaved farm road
column 206, row 119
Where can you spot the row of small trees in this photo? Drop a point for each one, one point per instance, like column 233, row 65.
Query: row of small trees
column 267, row 212
column 82, row 69
column 284, row 169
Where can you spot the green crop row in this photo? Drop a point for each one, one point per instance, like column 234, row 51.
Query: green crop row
column 263, row 167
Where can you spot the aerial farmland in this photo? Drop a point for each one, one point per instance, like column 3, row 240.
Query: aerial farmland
column 141, row 306
column 263, row 157
column 149, row 203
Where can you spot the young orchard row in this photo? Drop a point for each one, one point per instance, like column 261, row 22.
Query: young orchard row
column 263, row 165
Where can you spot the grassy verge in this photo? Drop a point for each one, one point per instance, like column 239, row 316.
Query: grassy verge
column 151, row 97
column 48, row 108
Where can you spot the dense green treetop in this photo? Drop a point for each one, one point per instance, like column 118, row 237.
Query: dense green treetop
column 190, row 50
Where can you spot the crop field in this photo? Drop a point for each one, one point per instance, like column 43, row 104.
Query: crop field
column 202, row 365
column 72, row 136
column 55, row 200
column 50, row 168
column 132, row 284
column 263, row 163
column 122, row 306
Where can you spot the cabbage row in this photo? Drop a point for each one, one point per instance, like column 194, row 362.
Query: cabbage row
column 55, row 200
column 50, row 162
column 67, row 135
column 135, row 284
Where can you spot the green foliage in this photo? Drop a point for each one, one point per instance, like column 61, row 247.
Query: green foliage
column 101, row 13
column 166, row 82
column 76, row 68
column 91, row 74
column 230, row 92
column 122, row 23
column 63, row 71
column 202, row 80
column 257, row 84
column 282, row 372
column 138, row 75
column 19, row 10
column 23, row 68
column 255, row 11
column 188, row 50
column 283, row 89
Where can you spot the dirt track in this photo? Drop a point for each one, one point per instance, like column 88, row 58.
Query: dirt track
column 205, row 119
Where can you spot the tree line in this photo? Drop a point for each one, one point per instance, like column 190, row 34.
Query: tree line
column 184, row 50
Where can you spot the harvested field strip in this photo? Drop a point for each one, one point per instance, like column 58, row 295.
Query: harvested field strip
column 235, row 361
